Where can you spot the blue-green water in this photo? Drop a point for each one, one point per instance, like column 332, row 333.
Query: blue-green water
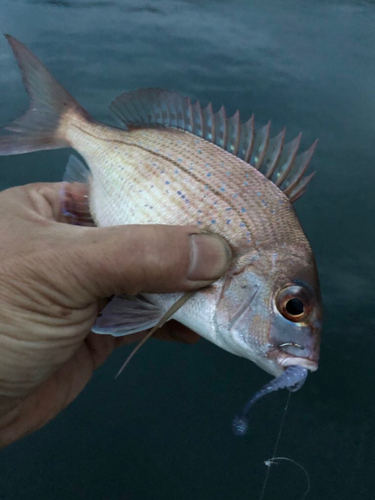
column 162, row 430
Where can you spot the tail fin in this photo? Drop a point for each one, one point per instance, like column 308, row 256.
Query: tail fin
column 41, row 126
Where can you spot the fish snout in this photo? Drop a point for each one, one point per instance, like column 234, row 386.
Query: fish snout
column 295, row 344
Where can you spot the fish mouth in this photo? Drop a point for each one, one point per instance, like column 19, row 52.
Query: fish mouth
column 284, row 360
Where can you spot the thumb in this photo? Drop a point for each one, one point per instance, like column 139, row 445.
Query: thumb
column 144, row 258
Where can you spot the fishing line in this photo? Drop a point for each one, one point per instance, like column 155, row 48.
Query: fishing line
column 274, row 458
column 171, row 311
column 273, row 461
column 275, row 447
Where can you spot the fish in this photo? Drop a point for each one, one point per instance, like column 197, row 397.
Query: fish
column 172, row 161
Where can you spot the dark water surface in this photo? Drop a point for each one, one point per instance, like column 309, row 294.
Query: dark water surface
column 162, row 430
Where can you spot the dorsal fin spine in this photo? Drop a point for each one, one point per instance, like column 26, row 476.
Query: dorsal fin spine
column 133, row 109
column 209, row 123
column 238, row 131
column 184, row 122
column 295, row 198
column 250, row 125
column 203, row 131
column 177, row 111
column 194, row 107
column 213, row 125
column 292, row 158
column 213, row 128
column 169, row 117
column 153, row 111
column 191, row 116
column 294, row 182
column 301, row 188
column 138, row 108
column 277, row 154
column 225, row 131
column 263, row 145
column 145, row 112
column 128, row 109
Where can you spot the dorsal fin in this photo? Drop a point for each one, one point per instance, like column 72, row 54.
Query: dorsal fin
column 276, row 161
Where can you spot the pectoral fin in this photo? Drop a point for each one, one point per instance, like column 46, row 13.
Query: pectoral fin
column 163, row 318
column 74, row 194
column 125, row 315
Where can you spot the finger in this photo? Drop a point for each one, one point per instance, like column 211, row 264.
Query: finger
column 136, row 259
column 41, row 199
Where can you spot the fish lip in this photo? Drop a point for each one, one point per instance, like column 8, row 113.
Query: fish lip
column 285, row 360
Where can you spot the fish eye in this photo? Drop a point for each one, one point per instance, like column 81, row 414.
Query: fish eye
column 294, row 302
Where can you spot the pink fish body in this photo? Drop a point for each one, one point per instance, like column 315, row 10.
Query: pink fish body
column 175, row 163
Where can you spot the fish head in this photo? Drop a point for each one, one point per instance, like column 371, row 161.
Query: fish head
column 269, row 309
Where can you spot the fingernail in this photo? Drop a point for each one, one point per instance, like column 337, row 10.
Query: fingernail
column 210, row 257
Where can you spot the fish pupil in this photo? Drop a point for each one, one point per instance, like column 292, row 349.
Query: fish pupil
column 294, row 307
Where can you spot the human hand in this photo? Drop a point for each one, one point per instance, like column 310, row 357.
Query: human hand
column 53, row 277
